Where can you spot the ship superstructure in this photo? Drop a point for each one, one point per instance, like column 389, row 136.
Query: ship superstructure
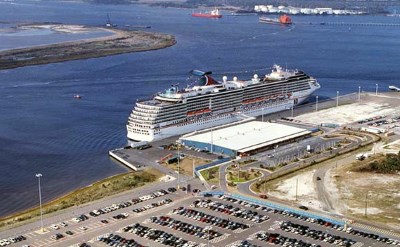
column 215, row 13
column 211, row 103
column 283, row 19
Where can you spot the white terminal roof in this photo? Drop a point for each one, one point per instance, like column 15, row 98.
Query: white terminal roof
column 248, row 136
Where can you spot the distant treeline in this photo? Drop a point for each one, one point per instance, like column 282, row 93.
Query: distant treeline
column 111, row 1
column 370, row 6
column 390, row 164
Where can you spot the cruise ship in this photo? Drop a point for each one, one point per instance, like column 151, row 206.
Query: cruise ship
column 210, row 103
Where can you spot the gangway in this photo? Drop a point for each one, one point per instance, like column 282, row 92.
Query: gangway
column 163, row 159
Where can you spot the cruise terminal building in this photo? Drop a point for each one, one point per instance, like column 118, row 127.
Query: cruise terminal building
column 243, row 138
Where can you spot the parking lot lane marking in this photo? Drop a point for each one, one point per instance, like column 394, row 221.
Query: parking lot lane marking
column 99, row 224
column 48, row 241
column 220, row 238
column 111, row 220
column 275, row 226
column 94, row 225
column 234, row 243
column 30, row 234
column 78, row 231
column 239, row 230
column 40, row 243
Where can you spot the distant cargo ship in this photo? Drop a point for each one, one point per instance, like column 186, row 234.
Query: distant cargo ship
column 208, row 102
column 283, row 19
column 212, row 14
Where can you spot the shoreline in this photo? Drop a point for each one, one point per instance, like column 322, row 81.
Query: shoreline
column 72, row 198
column 122, row 41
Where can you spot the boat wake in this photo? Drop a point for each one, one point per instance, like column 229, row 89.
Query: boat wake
column 284, row 30
column 26, row 85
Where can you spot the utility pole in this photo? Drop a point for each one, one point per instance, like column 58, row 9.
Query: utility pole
column 376, row 89
column 359, row 93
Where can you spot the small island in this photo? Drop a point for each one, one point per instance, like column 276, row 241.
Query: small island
column 120, row 41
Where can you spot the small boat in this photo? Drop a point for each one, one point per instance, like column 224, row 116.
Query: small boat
column 212, row 14
column 108, row 23
column 283, row 19
column 394, row 88
column 77, row 96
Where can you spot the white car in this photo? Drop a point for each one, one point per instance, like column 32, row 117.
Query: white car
column 63, row 224
column 76, row 220
column 54, row 227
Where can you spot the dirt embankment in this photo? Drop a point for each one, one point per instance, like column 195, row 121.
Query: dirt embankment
column 121, row 42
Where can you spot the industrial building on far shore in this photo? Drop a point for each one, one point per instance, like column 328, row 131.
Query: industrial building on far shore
column 242, row 139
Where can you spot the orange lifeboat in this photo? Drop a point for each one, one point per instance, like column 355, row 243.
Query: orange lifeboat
column 284, row 19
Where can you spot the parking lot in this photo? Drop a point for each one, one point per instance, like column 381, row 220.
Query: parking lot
column 173, row 218
column 225, row 221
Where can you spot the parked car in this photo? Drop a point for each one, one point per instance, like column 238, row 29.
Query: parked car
column 303, row 207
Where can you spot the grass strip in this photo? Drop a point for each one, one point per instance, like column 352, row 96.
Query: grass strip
column 106, row 187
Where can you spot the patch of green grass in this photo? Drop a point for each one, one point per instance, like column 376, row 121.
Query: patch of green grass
column 244, row 176
column 211, row 174
column 98, row 190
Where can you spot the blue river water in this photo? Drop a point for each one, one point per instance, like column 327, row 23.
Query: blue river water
column 43, row 129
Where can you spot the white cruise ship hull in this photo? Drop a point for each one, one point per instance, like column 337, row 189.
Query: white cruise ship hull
column 177, row 112
column 181, row 129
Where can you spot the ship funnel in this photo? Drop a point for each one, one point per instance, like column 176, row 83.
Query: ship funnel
column 225, row 79
column 235, row 78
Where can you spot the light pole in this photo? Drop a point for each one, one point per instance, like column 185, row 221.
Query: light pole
column 193, row 168
column 179, row 157
column 292, row 110
column 376, row 89
column 264, row 185
column 262, row 114
column 212, row 141
column 39, row 175
column 238, row 173
column 359, row 93
column 366, row 204
column 337, row 98
column 208, row 235
column 316, row 103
